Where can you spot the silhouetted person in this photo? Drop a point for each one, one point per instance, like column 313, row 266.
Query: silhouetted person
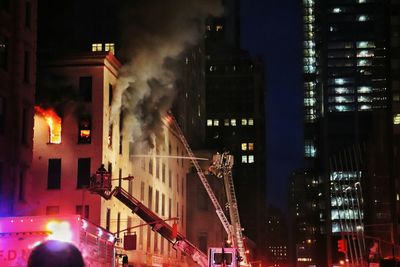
column 54, row 253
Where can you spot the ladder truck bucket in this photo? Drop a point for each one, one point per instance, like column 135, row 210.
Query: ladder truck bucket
column 101, row 180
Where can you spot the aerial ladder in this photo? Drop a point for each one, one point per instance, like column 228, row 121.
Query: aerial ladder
column 100, row 183
column 222, row 168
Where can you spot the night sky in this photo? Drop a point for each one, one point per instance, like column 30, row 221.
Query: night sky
column 272, row 29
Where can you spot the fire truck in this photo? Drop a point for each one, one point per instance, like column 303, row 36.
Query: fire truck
column 19, row 235
column 222, row 167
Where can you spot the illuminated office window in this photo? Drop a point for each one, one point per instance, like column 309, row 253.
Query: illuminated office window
column 364, row 62
column 226, row 122
column 251, row 158
column 244, row 121
column 341, row 99
column 216, row 123
column 250, row 121
column 309, row 102
column 362, row 18
column 365, row 107
column 364, row 99
column 396, row 119
column 365, row 53
column 365, row 44
column 341, row 90
column 340, row 81
column 341, row 108
column 109, row 47
column 364, row 89
column 309, row 148
column 233, row 122
column 244, row 159
column 97, row 47
column 251, row 146
column 209, row 122
column 244, row 146
column 219, row 28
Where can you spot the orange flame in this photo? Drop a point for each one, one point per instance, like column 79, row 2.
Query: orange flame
column 54, row 122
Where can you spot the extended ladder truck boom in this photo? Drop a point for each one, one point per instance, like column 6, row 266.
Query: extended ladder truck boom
column 222, row 164
column 101, row 184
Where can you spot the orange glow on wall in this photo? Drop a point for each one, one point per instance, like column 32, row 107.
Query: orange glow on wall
column 54, row 123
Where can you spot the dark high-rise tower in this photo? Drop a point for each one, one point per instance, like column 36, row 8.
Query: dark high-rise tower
column 348, row 89
column 235, row 115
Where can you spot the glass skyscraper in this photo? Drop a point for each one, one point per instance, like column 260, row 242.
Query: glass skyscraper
column 351, row 89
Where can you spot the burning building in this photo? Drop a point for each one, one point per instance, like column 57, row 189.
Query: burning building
column 75, row 135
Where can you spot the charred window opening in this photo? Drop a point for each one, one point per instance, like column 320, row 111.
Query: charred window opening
column 120, row 144
column 54, row 174
column 85, row 131
column 109, row 168
column 108, row 219
column 110, row 136
column 83, row 172
column 85, row 88
column 110, row 94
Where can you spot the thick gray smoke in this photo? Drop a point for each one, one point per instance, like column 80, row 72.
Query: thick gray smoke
column 153, row 32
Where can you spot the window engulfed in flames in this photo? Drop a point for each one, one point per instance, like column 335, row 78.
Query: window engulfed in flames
column 54, row 123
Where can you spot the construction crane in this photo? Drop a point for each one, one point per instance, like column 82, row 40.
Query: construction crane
column 222, row 167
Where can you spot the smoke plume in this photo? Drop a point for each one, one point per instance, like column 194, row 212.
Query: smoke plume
column 154, row 31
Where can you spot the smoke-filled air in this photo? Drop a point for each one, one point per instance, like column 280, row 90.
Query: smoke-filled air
column 154, row 31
